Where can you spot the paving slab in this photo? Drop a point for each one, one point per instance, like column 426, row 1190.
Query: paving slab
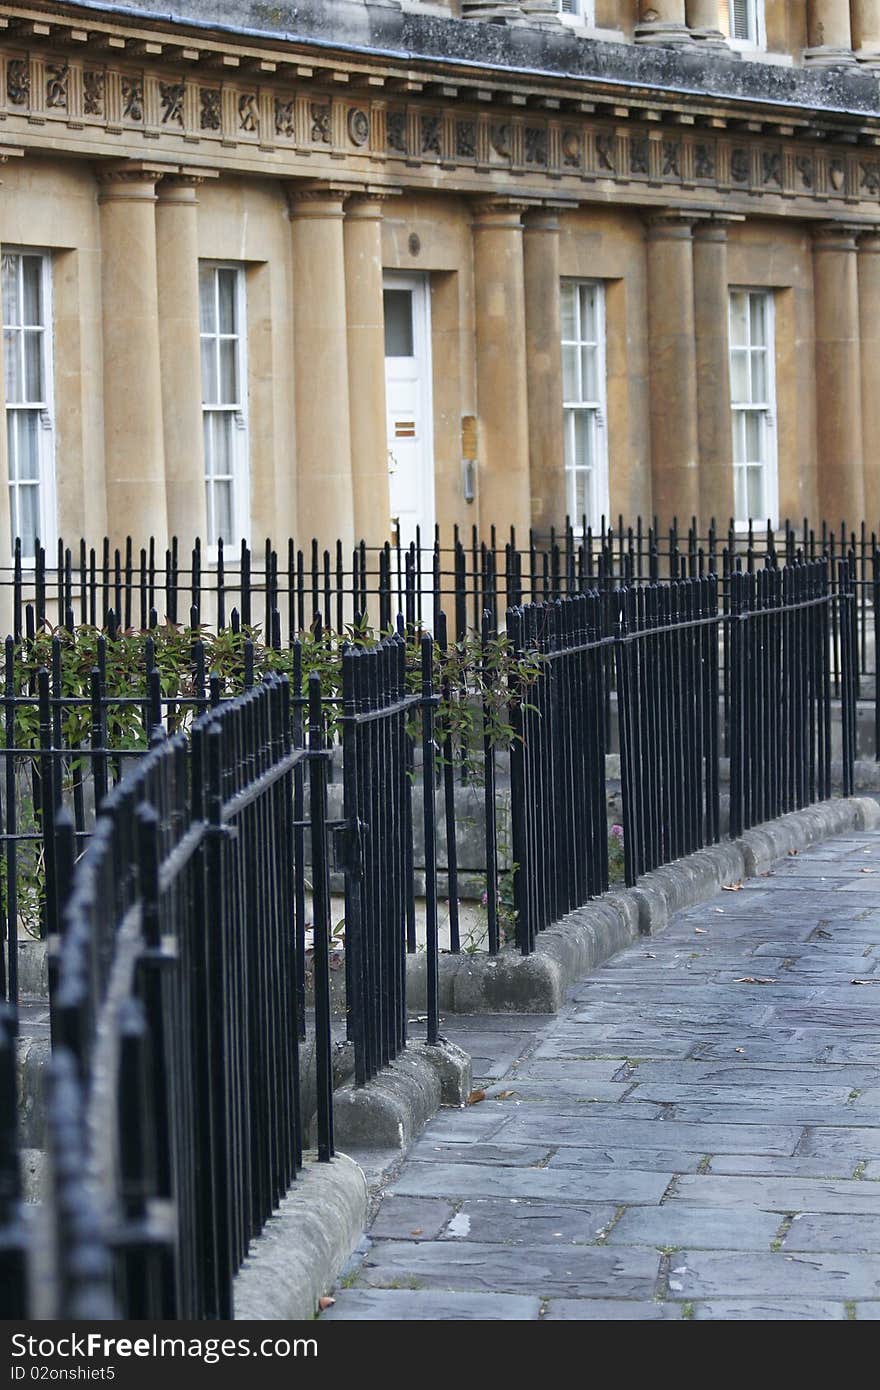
column 406, row 1305
column 766, row 1165
column 512, row 1222
column 680, row 1142
column 769, row 1310
column 810, row 1231
column 621, row 1186
column 779, row 1194
column 714, row 1228
column 598, row 1159
column 609, row 1310
column 507, row 1155
column 549, row 1269
column 707, row 1274
column 593, row 1131
column 404, row 1218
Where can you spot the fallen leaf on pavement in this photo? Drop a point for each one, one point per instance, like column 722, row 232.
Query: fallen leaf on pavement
column 866, row 871
column 755, row 980
column 700, row 931
column 865, row 982
column 417, row 1231
column 504, row 1095
column 475, row 1097
column 731, row 887
column 325, row 1303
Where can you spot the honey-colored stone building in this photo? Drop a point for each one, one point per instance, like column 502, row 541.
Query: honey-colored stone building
column 348, row 268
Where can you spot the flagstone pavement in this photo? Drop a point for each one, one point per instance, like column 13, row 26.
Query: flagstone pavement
column 696, row 1135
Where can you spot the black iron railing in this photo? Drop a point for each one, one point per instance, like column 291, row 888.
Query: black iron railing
column 278, row 589
column 176, row 1117
column 558, row 794
column 780, row 688
column 80, row 707
column 778, row 632
column 175, row 1114
column 667, row 656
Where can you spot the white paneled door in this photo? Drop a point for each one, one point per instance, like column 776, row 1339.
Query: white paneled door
column 408, row 398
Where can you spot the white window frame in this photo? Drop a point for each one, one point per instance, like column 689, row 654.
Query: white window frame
column 241, row 435
column 770, row 462
column 599, row 500
column 757, row 40
column 581, row 13
column 46, row 462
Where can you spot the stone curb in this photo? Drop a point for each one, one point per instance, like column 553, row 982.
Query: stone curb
column 304, row 1244
column 402, row 1098
column 307, row 1241
column 570, row 949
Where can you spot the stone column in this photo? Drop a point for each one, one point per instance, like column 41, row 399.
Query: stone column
column 177, row 256
column 499, row 294
column 134, row 448
column 704, row 23
column 673, row 368
column 869, row 347
column 544, row 368
column 838, row 374
column 662, row 22
column 829, row 36
column 362, row 236
column 713, row 372
column 320, row 367
column 865, row 19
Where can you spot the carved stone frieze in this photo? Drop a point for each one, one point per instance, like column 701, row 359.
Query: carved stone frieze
column 210, row 117
column 396, row 127
column 358, row 126
column 320, row 114
column 465, row 139
column 93, row 93
column 293, row 121
column 57, row 86
column 18, row 81
column 132, row 99
column 284, row 117
column 536, row 144
column 171, row 101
